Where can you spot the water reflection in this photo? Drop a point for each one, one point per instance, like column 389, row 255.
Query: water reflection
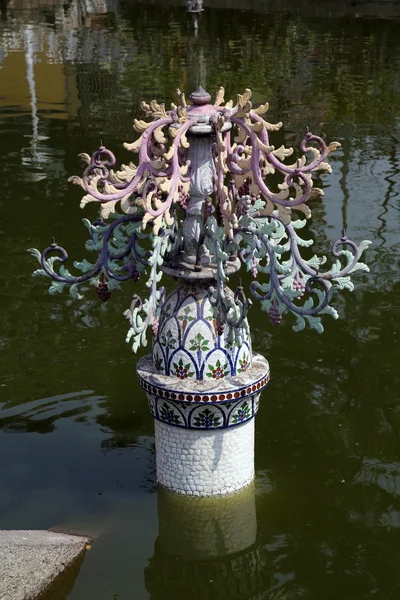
column 207, row 548
column 63, row 585
column 41, row 415
column 195, row 7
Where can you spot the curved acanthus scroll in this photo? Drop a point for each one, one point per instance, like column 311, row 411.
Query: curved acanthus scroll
column 143, row 204
column 143, row 314
column 250, row 158
column 228, row 309
column 293, row 284
column 120, row 257
column 159, row 179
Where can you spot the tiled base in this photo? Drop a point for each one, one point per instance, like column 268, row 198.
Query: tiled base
column 205, row 463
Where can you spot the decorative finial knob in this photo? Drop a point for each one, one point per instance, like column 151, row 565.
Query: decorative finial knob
column 200, row 96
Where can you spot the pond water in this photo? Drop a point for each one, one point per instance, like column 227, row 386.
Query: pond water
column 76, row 438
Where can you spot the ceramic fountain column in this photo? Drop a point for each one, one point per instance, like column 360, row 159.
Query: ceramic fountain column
column 203, row 392
column 203, row 384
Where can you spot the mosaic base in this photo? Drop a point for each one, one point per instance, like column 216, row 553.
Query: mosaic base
column 203, row 414
column 203, row 404
column 205, row 463
column 216, row 416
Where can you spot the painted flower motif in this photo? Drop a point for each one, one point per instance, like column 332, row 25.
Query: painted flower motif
column 167, row 310
column 218, row 371
column 189, row 289
column 168, row 415
column 206, row 418
column 185, row 318
column 244, row 364
column 182, row 371
column 158, row 363
column 199, row 343
column 166, row 314
column 242, row 413
column 168, row 341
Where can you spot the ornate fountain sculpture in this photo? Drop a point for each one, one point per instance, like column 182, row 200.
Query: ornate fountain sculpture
column 199, row 195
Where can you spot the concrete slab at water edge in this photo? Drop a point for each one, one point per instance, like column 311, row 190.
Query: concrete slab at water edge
column 31, row 560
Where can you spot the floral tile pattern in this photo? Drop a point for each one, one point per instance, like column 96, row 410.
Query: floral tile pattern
column 241, row 413
column 185, row 318
column 219, row 415
column 168, row 340
column 199, row 343
column 158, row 362
column 183, row 370
column 243, row 364
column 169, row 414
column 188, row 344
column 206, row 418
column 218, row 370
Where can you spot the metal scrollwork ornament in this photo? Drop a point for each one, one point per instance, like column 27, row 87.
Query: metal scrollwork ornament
column 199, row 194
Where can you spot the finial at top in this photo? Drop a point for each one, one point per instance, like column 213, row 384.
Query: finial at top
column 200, row 96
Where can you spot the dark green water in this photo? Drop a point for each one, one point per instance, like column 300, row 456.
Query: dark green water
column 76, row 439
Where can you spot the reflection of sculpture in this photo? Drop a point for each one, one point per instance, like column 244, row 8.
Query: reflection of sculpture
column 210, row 164
column 203, row 528
column 206, row 548
column 194, row 6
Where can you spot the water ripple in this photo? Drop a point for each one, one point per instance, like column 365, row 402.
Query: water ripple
column 14, row 427
column 39, row 415
column 384, row 474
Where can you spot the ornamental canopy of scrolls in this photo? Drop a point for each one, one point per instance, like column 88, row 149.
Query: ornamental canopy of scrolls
column 146, row 199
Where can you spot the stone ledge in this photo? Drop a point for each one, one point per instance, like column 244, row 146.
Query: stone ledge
column 225, row 389
column 31, row 560
column 188, row 271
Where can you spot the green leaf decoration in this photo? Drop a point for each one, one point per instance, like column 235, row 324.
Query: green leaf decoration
column 206, row 419
column 40, row 273
column 84, row 266
column 56, row 287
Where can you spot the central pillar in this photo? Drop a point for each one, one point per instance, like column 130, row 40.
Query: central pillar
column 203, row 388
column 202, row 380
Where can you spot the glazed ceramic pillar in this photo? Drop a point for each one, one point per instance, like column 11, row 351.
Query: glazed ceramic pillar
column 203, row 391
